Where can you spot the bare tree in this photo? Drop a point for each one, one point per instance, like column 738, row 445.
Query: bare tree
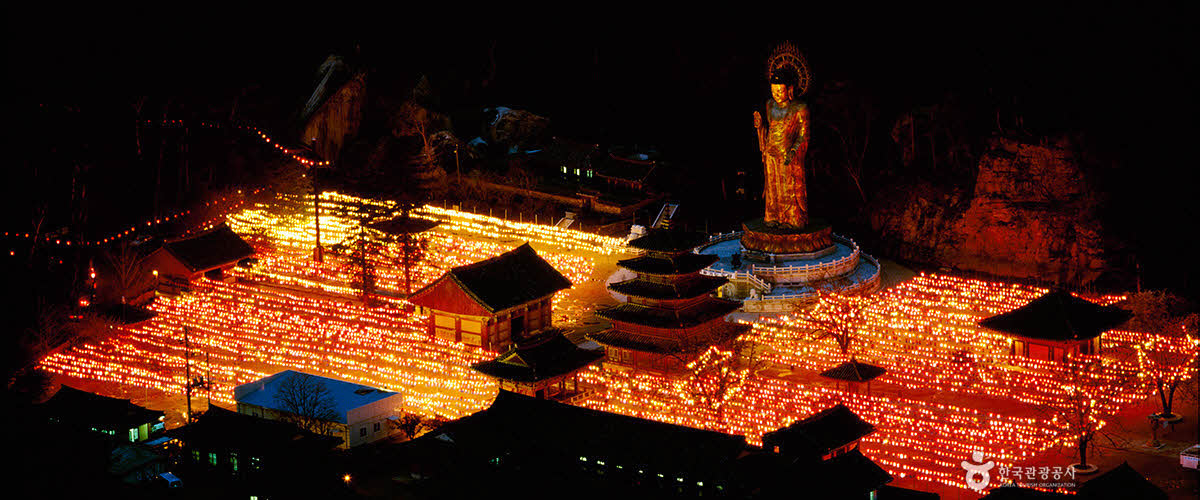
column 362, row 250
column 838, row 317
column 849, row 118
column 38, row 220
column 1087, row 392
column 718, row 375
column 49, row 331
column 1169, row 362
column 1167, row 359
column 409, row 425
column 307, row 402
column 92, row 325
column 129, row 277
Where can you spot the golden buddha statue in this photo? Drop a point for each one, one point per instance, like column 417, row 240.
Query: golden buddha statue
column 784, row 140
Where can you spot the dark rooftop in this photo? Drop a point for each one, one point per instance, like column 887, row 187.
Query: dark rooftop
column 518, row 424
column 211, row 249
column 1058, row 315
column 629, row 169
column 543, row 356
column 889, row 492
column 218, row 427
column 79, row 406
column 685, row 263
column 669, row 241
column 708, row 310
column 507, row 280
column 681, row 289
column 849, row 475
column 853, row 371
column 1121, row 482
column 821, row 433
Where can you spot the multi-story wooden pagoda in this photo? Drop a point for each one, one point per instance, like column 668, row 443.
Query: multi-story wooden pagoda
column 671, row 315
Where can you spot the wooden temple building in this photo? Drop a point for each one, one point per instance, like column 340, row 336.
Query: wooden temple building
column 494, row 302
column 671, row 316
column 1056, row 325
column 544, row 366
column 207, row 254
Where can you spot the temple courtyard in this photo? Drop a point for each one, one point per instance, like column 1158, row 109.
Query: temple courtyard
column 950, row 387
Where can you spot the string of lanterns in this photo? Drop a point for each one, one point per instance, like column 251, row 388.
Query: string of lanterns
column 294, row 154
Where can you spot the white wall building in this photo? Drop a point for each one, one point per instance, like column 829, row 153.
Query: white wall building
column 362, row 412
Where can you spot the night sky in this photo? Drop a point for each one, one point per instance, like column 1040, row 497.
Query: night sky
column 1123, row 77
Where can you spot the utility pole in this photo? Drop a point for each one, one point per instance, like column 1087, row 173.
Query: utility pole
column 317, row 220
column 187, row 372
column 457, row 165
column 191, row 384
column 312, row 173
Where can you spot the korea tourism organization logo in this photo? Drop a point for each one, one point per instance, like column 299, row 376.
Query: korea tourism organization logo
column 979, row 474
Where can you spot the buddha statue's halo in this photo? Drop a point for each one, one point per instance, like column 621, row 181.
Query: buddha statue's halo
column 787, row 63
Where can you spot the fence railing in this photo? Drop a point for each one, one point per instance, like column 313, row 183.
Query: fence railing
column 762, row 285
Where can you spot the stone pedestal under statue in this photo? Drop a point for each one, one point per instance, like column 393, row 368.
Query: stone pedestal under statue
column 810, row 240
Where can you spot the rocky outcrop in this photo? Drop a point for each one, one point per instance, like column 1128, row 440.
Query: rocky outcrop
column 515, row 129
column 333, row 113
column 1031, row 215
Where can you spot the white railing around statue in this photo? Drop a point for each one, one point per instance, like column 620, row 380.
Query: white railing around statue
column 811, row 272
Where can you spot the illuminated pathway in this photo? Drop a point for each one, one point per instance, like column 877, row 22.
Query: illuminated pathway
column 951, row 388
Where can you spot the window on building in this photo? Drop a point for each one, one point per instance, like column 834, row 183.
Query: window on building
column 256, row 463
column 233, row 461
column 196, row 456
column 133, row 435
column 577, row 173
column 362, row 431
column 564, row 169
column 212, row 458
column 376, row 426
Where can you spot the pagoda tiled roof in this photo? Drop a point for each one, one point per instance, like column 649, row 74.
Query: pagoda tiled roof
column 685, row 263
column 1060, row 316
column 681, row 289
column 709, row 310
column 669, row 241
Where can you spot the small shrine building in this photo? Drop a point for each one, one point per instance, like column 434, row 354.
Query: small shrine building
column 1056, row 325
